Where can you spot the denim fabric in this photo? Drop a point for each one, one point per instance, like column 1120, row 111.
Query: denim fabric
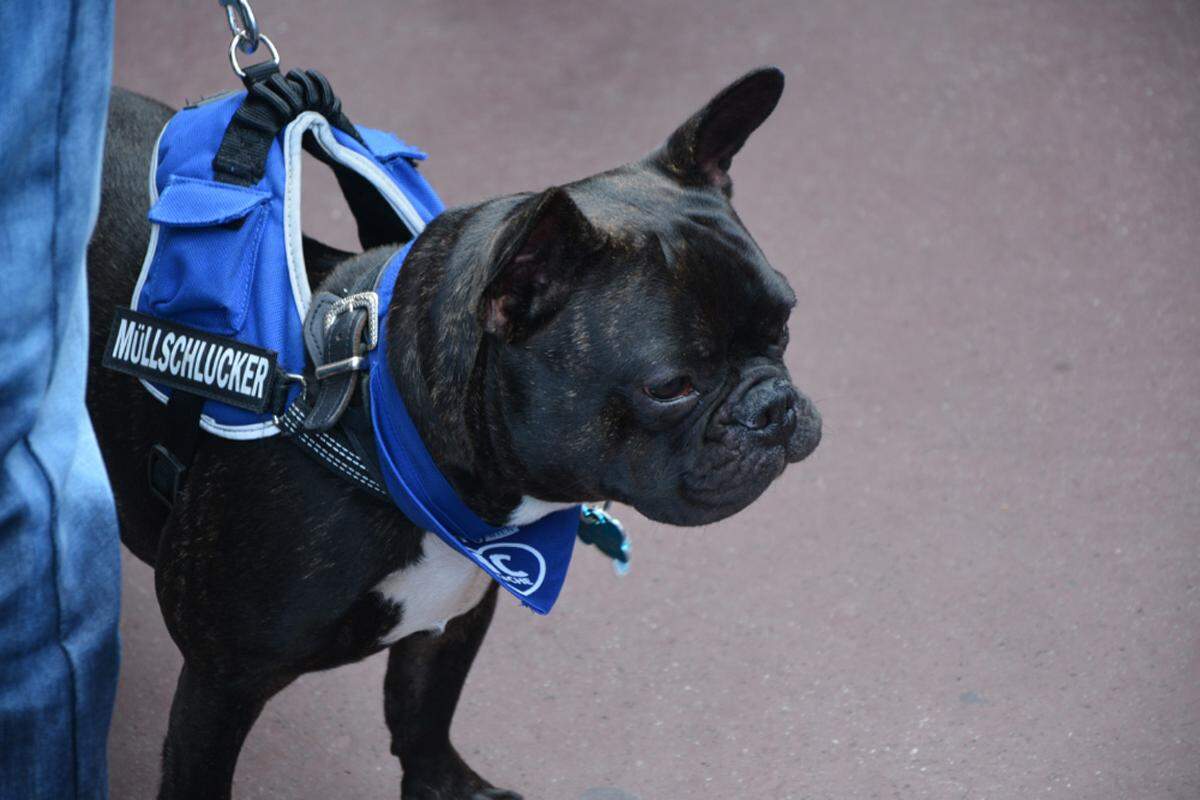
column 59, row 567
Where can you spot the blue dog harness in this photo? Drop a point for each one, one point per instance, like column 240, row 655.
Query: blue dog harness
column 228, row 259
column 224, row 329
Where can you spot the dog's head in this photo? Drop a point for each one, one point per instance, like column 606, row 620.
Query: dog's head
column 625, row 334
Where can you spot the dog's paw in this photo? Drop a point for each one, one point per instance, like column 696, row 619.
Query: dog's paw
column 496, row 794
column 427, row 792
column 447, row 777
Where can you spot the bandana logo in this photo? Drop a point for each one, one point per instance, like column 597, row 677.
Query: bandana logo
column 519, row 565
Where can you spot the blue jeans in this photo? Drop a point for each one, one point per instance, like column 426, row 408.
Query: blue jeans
column 59, row 560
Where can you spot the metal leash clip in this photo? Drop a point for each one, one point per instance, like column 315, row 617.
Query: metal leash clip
column 246, row 34
column 243, row 24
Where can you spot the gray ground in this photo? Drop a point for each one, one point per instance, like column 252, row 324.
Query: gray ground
column 986, row 583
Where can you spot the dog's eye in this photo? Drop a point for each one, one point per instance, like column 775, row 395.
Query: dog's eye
column 667, row 391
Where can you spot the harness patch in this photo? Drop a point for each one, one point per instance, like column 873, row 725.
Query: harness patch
column 184, row 358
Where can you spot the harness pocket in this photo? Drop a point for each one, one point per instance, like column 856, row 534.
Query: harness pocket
column 209, row 239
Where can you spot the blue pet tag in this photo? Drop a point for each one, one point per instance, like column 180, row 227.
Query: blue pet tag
column 606, row 533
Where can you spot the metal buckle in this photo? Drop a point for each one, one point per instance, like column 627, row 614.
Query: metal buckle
column 281, row 391
column 165, row 473
column 352, row 364
column 367, row 300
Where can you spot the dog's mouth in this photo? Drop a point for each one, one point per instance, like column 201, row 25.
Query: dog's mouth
column 726, row 476
column 717, row 485
column 730, row 480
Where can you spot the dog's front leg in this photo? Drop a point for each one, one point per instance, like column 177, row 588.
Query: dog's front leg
column 210, row 717
column 425, row 677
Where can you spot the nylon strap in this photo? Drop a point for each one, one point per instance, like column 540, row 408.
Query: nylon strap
column 272, row 101
column 170, row 460
column 344, row 455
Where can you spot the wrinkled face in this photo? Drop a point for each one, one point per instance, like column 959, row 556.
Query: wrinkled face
column 662, row 377
column 643, row 332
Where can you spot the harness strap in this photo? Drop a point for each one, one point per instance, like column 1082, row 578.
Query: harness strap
column 272, row 101
column 333, row 429
column 170, row 459
column 334, row 331
column 346, row 455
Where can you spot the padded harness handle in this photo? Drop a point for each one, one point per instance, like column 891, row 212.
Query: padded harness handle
column 272, row 101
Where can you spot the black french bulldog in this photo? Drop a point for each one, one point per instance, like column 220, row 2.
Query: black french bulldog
column 620, row 337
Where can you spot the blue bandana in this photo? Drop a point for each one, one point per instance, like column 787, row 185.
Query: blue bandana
column 530, row 561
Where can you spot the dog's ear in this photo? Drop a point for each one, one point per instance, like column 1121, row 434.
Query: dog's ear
column 699, row 151
column 534, row 266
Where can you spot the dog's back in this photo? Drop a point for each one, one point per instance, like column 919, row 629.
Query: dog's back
column 126, row 418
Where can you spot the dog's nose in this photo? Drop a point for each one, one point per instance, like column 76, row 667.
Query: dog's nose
column 769, row 410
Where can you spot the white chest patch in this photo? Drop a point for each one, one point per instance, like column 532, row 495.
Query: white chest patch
column 434, row 591
column 531, row 509
column 445, row 584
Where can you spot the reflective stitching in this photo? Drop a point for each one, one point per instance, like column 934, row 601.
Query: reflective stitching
column 330, row 450
column 346, row 469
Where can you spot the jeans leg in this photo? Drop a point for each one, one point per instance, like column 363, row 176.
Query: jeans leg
column 59, row 579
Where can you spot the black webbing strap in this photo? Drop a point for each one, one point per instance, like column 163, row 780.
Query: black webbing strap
column 340, row 328
column 340, row 325
column 170, row 459
column 348, row 456
column 272, row 101
column 324, row 422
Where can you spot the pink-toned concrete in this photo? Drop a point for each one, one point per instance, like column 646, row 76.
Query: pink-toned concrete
column 986, row 583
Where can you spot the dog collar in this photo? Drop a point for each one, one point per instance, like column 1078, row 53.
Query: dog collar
column 530, row 561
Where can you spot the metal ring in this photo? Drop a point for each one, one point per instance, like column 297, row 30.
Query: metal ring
column 595, row 514
column 296, row 377
column 238, row 38
column 248, row 28
column 288, row 378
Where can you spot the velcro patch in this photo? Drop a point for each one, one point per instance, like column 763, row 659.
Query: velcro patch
column 184, row 358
